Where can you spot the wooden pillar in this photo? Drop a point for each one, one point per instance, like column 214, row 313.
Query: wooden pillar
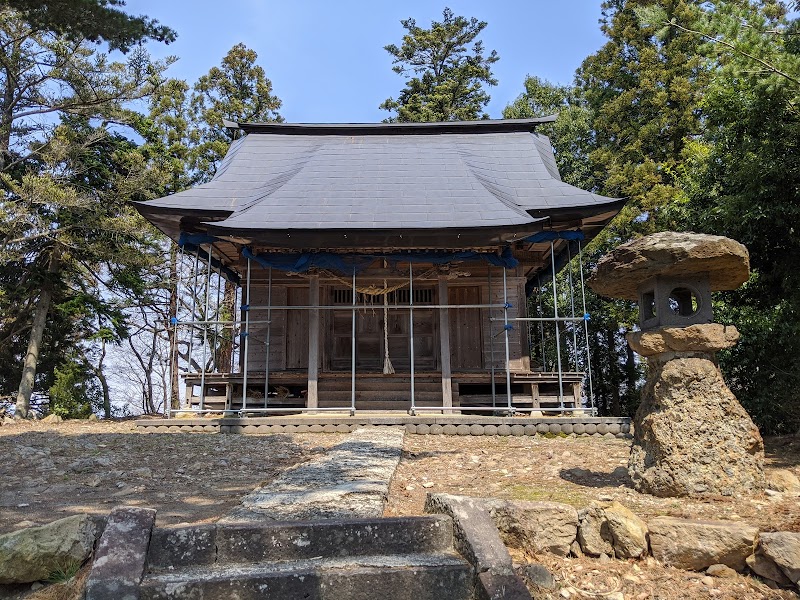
column 313, row 342
column 444, row 338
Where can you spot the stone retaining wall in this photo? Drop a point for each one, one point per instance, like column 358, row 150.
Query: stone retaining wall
column 433, row 425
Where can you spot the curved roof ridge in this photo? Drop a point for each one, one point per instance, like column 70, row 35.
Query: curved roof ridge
column 482, row 126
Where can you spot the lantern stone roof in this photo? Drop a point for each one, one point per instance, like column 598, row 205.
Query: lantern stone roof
column 492, row 181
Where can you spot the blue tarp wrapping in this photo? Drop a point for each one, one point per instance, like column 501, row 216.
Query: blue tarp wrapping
column 346, row 264
column 549, row 236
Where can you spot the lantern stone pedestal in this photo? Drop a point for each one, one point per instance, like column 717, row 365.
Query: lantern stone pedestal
column 691, row 435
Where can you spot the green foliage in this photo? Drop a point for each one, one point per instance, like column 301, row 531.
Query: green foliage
column 65, row 573
column 444, row 76
column 93, row 20
column 742, row 180
column 238, row 90
column 74, row 393
column 571, row 134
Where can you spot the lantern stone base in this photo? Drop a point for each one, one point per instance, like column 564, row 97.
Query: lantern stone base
column 691, row 435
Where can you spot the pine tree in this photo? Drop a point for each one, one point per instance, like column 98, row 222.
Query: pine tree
column 445, row 78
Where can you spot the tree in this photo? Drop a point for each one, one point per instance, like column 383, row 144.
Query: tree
column 66, row 182
column 741, row 180
column 91, row 20
column 238, row 90
column 616, row 374
column 444, row 77
column 644, row 92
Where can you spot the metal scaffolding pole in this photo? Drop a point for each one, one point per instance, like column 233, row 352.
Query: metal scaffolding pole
column 205, row 332
column 174, row 351
column 541, row 325
column 267, row 344
column 586, row 330
column 572, row 304
column 411, row 330
column 558, row 332
column 246, row 335
column 353, row 351
column 491, row 340
column 194, row 310
column 506, row 327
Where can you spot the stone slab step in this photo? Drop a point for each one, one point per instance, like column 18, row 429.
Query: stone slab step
column 431, row 576
column 177, row 547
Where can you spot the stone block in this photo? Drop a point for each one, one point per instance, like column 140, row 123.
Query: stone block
column 449, row 429
column 475, row 535
column 567, row 428
column 315, row 428
column 463, row 429
column 530, row 429
column 579, row 428
column 517, row 430
column 176, row 547
column 476, row 429
column 535, row 526
column 591, row 428
column 503, row 586
column 490, row 430
column 504, row 430
column 121, row 556
column 542, row 428
column 435, row 429
column 696, row 545
column 423, row 429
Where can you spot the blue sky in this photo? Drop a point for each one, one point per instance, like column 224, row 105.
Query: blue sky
column 326, row 59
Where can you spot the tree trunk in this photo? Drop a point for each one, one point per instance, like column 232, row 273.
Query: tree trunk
column 226, row 340
column 35, row 341
column 613, row 372
column 174, row 383
column 104, row 382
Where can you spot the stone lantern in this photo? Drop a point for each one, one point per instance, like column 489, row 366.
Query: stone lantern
column 691, row 435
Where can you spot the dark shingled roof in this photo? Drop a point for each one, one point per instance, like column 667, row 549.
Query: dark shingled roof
column 479, row 174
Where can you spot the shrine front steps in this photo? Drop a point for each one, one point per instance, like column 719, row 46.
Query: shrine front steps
column 398, row 558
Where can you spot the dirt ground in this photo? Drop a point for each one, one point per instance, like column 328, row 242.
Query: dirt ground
column 52, row 471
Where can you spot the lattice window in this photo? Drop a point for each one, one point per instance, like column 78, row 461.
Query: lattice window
column 344, row 296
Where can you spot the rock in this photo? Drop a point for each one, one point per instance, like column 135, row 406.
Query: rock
column 427, row 484
column 721, row 571
column 707, row 581
column 691, row 435
column 575, row 549
column 628, row 532
column 620, row 272
column 92, row 417
column 535, row 526
column 51, row 418
column 593, row 534
column 783, row 548
column 700, row 337
column 539, row 576
column 765, row 567
column 33, row 554
column 782, row 480
column 612, row 529
column 142, row 472
column 696, row 545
